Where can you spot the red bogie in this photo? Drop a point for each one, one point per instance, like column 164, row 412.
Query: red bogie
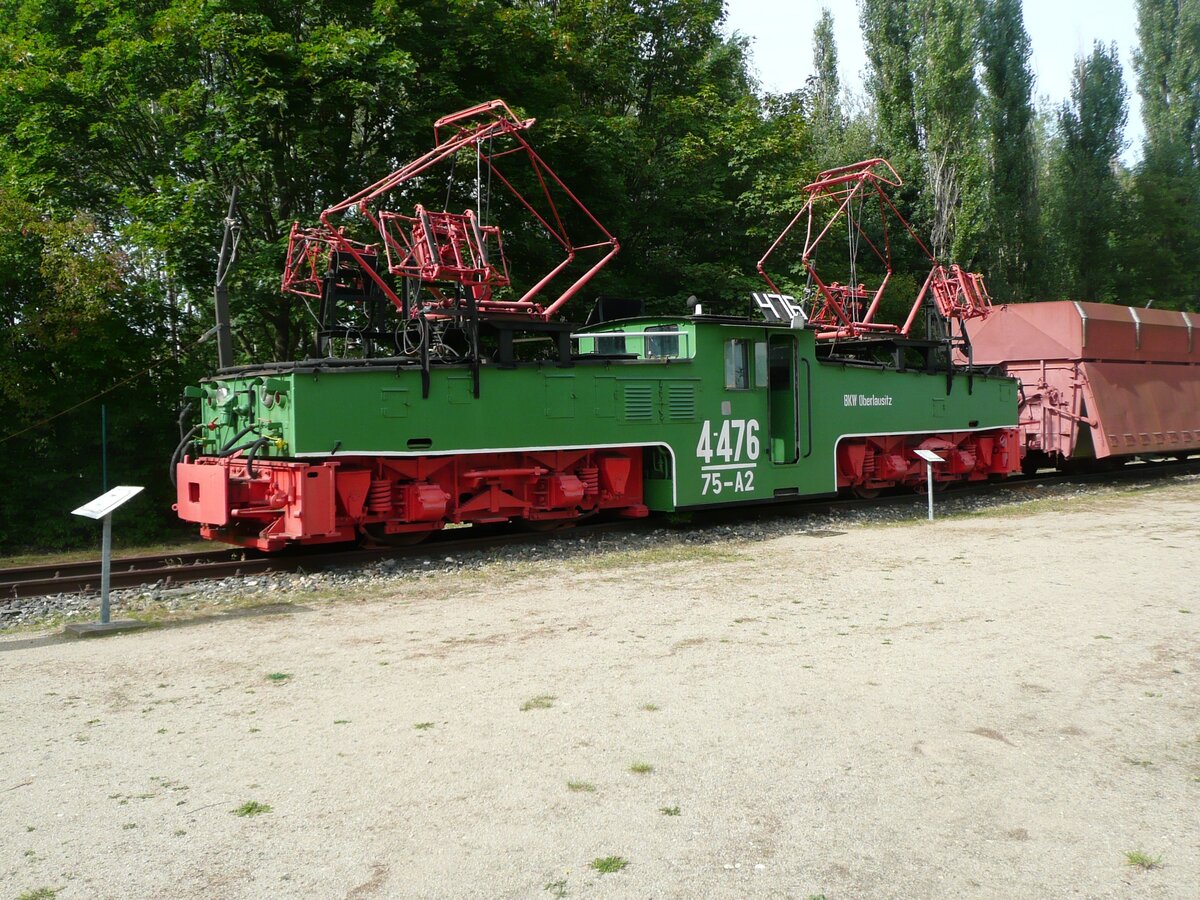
column 333, row 500
column 873, row 463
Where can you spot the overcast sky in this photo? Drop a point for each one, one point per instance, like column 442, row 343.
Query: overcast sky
column 1059, row 30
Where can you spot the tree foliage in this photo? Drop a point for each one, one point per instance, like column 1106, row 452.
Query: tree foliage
column 77, row 319
column 1085, row 203
column 1163, row 259
column 1012, row 246
column 825, row 87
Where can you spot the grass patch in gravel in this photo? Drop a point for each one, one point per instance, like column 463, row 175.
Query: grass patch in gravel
column 581, row 787
column 42, row 893
column 606, row 864
column 17, row 560
column 279, row 676
column 641, row 768
column 1082, row 498
column 541, row 701
column 653, row 556
column 1143, row 861
column 423, row 726
column 669, row 810
column 251, row 808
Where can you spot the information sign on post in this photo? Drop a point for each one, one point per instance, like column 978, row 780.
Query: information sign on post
column 930, row 458
column 102, row 508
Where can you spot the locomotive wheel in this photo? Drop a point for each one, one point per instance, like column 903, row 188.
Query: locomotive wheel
column 864, row 493
column 375, row 535
column 922, row 487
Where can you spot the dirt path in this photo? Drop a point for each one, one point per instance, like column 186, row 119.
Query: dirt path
column 984, row 707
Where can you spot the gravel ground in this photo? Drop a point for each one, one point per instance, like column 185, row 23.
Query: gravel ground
column 857, row 705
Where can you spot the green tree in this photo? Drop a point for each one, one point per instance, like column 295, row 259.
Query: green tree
column 825, row 89
column 1084, row 203
column 891, row 31
column 77, row 318
column 672, row 136
column 948, row 106
column 1163, row 240
column 1167, row 63
column 922, row 57
column 147, row 113
column 1013, row 240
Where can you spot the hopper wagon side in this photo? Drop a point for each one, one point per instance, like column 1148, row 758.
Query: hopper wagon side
column 1099, row 383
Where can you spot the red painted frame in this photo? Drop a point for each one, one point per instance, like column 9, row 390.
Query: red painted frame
column 441, row 249
column 836, row 311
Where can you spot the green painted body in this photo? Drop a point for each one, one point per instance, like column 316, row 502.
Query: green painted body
column 774, row 437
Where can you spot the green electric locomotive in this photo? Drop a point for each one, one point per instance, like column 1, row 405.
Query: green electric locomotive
column 650, row 414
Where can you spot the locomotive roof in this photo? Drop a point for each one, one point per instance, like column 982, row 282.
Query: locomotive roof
column 685, row 320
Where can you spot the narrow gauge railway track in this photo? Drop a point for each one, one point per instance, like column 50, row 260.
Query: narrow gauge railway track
column 129, row 571
column 177, row 569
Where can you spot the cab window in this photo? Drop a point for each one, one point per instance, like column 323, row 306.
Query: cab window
column 737, row 365
column 665, row 347
column 610, row 346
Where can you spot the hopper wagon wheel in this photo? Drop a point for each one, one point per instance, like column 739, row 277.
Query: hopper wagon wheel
column 1030, row 465
column 865, row 493
column 375, row 535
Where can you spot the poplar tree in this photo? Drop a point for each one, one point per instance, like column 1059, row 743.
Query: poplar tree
column 948, row 106
column 890, row 32
column 1084, row 208
column 1013, row 237
column 1167, row 63
column 922, row 56
column 826, row 88
column 1164, row 237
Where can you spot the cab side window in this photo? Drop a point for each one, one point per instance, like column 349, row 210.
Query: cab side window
column 666, row 347
column 737, row 365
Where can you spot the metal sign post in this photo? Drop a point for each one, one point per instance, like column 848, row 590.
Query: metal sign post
column 102, row 508
column 930, row 458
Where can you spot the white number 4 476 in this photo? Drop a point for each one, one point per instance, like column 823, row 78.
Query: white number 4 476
column 735, row 436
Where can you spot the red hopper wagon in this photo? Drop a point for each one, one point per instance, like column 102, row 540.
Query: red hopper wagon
column 1098, row 382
